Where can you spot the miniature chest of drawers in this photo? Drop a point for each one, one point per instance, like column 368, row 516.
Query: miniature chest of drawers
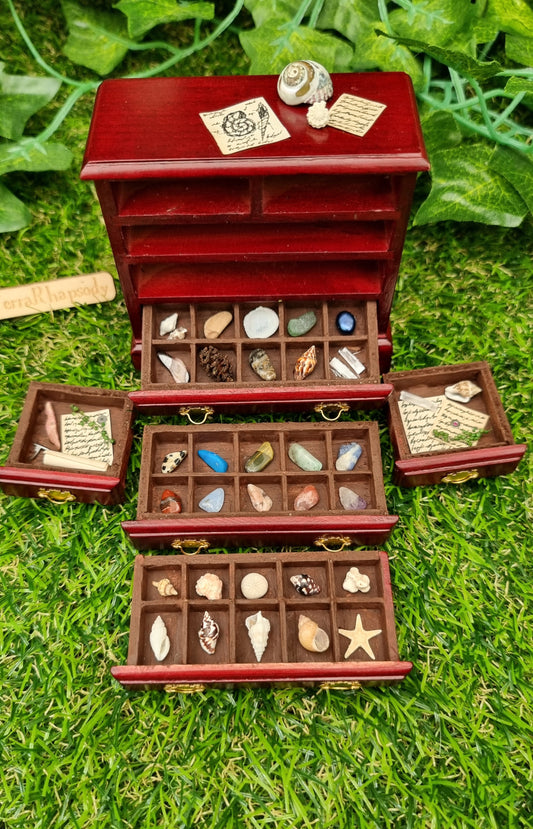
column 315, row 220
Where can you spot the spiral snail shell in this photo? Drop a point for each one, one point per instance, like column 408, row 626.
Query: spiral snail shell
column 304, row 82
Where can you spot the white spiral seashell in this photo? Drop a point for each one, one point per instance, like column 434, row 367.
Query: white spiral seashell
column 159, row 641
column 258, row 630
column 304, row 82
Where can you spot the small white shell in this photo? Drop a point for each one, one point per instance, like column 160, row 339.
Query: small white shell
column 318, row 115
column 304, row 82
column 354, row 581
column 159, row 641
column 165, row 587
column 462, row 392
column 258, row 630
column 176, row 366
column 167, row 325
column 210, row 586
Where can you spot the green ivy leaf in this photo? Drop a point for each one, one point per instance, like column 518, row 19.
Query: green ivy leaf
column 276, row 9
column 442, row 22
column 20, row 97
column 462, row 63
column 351, row 20
column 92, row 40
column 275, row 44
column 515, row 85
column 517, row 169
column 373, row 50
column 33, row 156
column 440, row 130
column 143, row 15
column 514, row 16
column 13, row 213
column 519, row 49
column 465, row 189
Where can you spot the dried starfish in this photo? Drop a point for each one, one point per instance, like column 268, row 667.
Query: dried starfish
column 359, row 638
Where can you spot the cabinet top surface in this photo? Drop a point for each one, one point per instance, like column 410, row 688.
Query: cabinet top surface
column 144, row 128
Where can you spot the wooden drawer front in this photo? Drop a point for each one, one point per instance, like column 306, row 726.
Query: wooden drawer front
column 284, row 658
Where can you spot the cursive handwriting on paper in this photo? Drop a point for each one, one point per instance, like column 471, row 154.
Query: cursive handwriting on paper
column 87, row 435
column 440, row 417
column 353, row 114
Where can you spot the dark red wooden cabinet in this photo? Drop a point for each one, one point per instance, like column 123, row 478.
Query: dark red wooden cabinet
column 317, row 217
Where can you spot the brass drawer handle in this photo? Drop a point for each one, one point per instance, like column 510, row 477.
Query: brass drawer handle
column 190, row 546
column 197, row 415
column 460, row 477
column 341, row 685
column 56, row 496
column 184, row 688
column 331, row 411
column 334, row 543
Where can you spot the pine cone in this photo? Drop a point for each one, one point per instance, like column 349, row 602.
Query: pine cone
column 215, row 364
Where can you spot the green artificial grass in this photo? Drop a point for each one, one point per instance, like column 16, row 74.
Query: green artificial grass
column 451, row 746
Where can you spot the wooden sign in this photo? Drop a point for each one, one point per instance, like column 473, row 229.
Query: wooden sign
column 38, row 297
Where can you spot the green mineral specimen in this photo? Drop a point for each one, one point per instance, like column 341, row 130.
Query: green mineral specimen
column 299, row 326
column 303, row 458
column 260, row 458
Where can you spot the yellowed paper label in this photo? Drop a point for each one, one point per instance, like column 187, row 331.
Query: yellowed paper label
column 39, row 297
column 87, row 435
column 244, row 126
column 452, row 419
column 353, row 114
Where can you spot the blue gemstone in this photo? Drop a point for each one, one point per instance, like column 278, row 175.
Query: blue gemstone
column 214, row 461
column 345, row 322
column 213, row 501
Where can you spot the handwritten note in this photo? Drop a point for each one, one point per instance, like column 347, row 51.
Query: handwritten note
column 420, row 424
column 353, row 114
column 87, row 435
column 244, row 126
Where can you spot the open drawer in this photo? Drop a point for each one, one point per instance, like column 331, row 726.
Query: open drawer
column 334, row 637
column 363, row 521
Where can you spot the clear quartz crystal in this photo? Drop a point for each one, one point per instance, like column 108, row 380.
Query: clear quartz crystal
column 352, row 360
column 340, row 370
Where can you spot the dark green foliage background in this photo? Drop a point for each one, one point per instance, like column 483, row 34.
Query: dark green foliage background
column 449, row 747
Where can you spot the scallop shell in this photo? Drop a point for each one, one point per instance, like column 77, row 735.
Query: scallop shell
column 311, row 637
column 208, row 634
column 304, row 82
column 305, row 364
column 165, row 587
column 210, row 586
column 159, row 641
column 258, row 630
column 462, row 392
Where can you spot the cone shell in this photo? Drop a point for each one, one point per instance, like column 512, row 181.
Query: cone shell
column 159, row 641
column 258, row 630
column 304, row 82
column 305, row 364
column 208, row 634
column 311, row 637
